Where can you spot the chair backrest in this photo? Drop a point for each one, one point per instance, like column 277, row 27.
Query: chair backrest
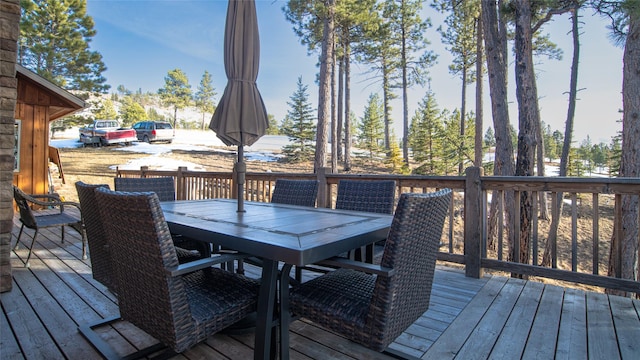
column 101, row 264
column 410, row 250
column 377, row 196
column 26, row 215
column 142, row 250
column 295, row 192
column 164, row 187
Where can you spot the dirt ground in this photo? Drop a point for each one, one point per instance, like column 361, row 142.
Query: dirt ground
column 97, row 166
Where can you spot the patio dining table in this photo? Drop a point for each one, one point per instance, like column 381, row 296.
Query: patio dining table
column 294, row 235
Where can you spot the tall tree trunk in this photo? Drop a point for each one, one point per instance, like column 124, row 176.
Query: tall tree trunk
column 340, row 106
column 175, row 117
column 387, row 107
column 623, row 258
column 334, row 122
column 463, row 110
column 479, row 94
column 542, row 196
column 324, row 91
column 405, row 95
column 556, row 212
column 528, row 119
column 347, row 107
column 495, row 39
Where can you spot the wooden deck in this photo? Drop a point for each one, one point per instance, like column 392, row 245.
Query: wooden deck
column 493, row 317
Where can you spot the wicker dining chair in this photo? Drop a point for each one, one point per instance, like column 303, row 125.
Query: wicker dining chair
column 374, row 307
column 52, row 214
column 295, row 192
column 100, row 257
column 376, row 196
column 165, row 188
column 180, row 305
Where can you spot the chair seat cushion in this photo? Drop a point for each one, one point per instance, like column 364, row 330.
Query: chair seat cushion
column 338, row 300
column 219, row 298
column 59, row 219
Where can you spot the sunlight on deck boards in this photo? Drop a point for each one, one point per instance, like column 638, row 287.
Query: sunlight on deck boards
column 468, row 318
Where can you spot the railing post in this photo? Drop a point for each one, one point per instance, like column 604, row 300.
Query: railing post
column 143, row 171
column 473, row 221
column 181, row 191
column 322, row 187
column 234, row 184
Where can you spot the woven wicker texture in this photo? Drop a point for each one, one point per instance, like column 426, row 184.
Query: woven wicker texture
column 96, row 237
column 165, row 188
column 295, row 192
column 162, row 186
column 372, row 310
column 179, row 311
column 53, row 215
column 373, row 196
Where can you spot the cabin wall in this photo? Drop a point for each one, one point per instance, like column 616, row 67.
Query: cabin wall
column 33, row 177
column 9, row 32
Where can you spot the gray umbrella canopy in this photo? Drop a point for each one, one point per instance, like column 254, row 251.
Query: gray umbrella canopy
column 241, row 117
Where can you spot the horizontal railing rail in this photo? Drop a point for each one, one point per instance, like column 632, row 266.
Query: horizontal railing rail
column 482, row 222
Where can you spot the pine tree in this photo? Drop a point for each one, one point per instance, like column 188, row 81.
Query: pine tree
column 394, row 157
column 426, row 127
column 273, row 128
column 371, row 127
column 299, row 126
column 131, row 112
column 54, row 43
column 204, row 96
column 176, row 92
column 106, row 110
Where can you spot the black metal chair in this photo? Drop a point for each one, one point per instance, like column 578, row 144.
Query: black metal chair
column 53, row 214
column 295, row 192
column 372, row 305
column 165, row 188
column 178, row 304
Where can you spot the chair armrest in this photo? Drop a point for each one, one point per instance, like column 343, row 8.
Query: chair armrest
column 200, row 264
column 54, row 200
column 54, row 196
column 344, row 263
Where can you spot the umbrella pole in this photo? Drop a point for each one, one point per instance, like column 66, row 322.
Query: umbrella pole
column 241, row 170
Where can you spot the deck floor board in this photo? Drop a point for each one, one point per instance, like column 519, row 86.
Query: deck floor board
column 492, row 317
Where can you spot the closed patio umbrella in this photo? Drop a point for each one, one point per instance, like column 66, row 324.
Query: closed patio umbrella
column 241, row 117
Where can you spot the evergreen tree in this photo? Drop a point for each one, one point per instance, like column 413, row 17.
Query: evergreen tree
column 299, row 126
column 204, row 96
column 54, row 43
column 426, row 129
column 176, row 92
column 407, row 30
column 371, row 127
column 460, row 38
column 131, row 112
column 273, row 128
column 394, row 157
column 153, row 114
column 489, row 138
column 550, row 145
column 105, row 110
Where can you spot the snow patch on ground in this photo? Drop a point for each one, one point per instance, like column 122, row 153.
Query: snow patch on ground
column 266, row 149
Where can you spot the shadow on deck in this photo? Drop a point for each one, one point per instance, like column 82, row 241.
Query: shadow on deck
column 492, row 317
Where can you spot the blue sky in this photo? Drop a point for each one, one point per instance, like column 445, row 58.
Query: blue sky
column 142, row 40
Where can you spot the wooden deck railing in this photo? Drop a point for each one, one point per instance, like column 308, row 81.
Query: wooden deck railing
column 579, row 253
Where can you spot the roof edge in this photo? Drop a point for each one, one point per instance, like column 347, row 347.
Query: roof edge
column 50, row 86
